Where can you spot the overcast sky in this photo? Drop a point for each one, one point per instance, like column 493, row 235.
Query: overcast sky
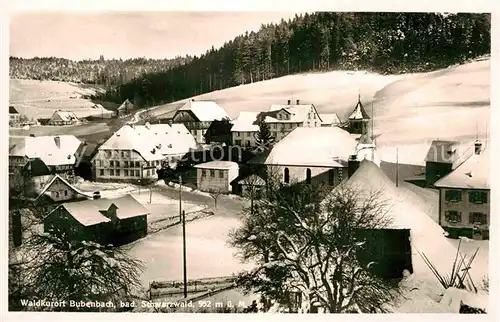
column 114, row 35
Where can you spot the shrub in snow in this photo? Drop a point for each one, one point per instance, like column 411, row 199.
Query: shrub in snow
column 63, row 269
column 459, row 276
column 305, row 240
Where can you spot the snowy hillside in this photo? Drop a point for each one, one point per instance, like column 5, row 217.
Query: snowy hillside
column 409, row 110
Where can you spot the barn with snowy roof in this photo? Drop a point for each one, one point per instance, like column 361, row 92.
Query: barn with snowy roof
column 198, row 115
column 410, row 232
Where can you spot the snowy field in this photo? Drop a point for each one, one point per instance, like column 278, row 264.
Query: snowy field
column 208, row 255
column 40, row 99
column 76, row 130
column 409, row 110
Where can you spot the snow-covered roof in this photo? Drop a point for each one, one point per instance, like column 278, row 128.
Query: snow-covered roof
column 65, row 182
column 407, row 210
column 452, row 152
column 52, row 150
column 126, row 105
column 359, row 112
column 222, row 165
column 66, row 116
column 152, row 141
column 206, row 111
column 298, row 113
column 474, row 173
column 89, row 212
column 330, row 118
column 313, row 146
column 245, row 122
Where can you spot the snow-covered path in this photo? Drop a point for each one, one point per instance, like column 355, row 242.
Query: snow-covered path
column 208, row 254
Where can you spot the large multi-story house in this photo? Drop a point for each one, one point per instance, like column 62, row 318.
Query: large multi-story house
column 197, row 116
column 464, row 197
column 34, row 161
column 281, row 119
column 135, row 152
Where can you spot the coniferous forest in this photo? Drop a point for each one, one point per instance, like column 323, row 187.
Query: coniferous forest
column 386, row 43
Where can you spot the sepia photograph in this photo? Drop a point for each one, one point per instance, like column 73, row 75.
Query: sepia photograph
column 249, row 162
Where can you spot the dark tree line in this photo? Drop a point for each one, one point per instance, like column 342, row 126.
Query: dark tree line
column 111, row 72
column 379, row 42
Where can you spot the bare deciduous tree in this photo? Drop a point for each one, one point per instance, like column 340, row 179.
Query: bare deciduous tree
column 215, row 194
column 305, row 240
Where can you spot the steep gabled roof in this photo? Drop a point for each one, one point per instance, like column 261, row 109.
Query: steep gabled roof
column 205, row 111
column 126, row 105
column 474, row 173
column 66, row 183
column 66, row 116
column 298, row 113
column 359, row 112
column 330, row 119
column 451, row 152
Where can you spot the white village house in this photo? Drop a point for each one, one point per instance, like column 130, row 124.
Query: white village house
column 317, row 155
column 135, row 152
column 198, row 115
column 63, row 118
column 216, row 176
column 282, row 119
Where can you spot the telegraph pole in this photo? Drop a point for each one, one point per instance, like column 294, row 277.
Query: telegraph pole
column 397, row 167
column 184, row 252
column 180, row 197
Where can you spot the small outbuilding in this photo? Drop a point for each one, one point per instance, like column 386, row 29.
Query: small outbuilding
column 216, row 176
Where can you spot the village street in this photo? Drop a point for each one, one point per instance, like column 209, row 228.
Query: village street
column 208, row 254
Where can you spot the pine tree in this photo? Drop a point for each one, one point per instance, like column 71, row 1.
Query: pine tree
column 264, row 138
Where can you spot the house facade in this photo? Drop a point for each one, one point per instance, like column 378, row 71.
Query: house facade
column 14, row 116
column 464, row 197
column 197, row 116
column 33, row 161
column 216, row 176
column 106, row 221
column 125, row 108
column 63, row 118
column 136, row 152
column 317, row 155
column 282, row 119
column 60, row 190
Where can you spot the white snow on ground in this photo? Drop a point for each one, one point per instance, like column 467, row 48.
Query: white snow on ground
column 208, row 255
column 162, row 207
column 409, row 110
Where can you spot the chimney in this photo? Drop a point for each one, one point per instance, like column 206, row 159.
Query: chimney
column 57, row 140
column 352, row 165
column 298, row 102
column 192, row 100
column 32, row 135
column 478, row 147
column 111, row 212
column 289, row 102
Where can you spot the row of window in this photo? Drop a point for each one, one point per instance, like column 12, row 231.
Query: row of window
column 212, row 173
column 126, row 173
column 331, row 176
column 128, row 164
column 476, row 197
column 238, row 143
column 57, row 193
column 474, row 217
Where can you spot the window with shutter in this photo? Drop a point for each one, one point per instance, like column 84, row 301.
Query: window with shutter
column 478, row 218
column 453, row 216
column 478, row 197
column 453, row 195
